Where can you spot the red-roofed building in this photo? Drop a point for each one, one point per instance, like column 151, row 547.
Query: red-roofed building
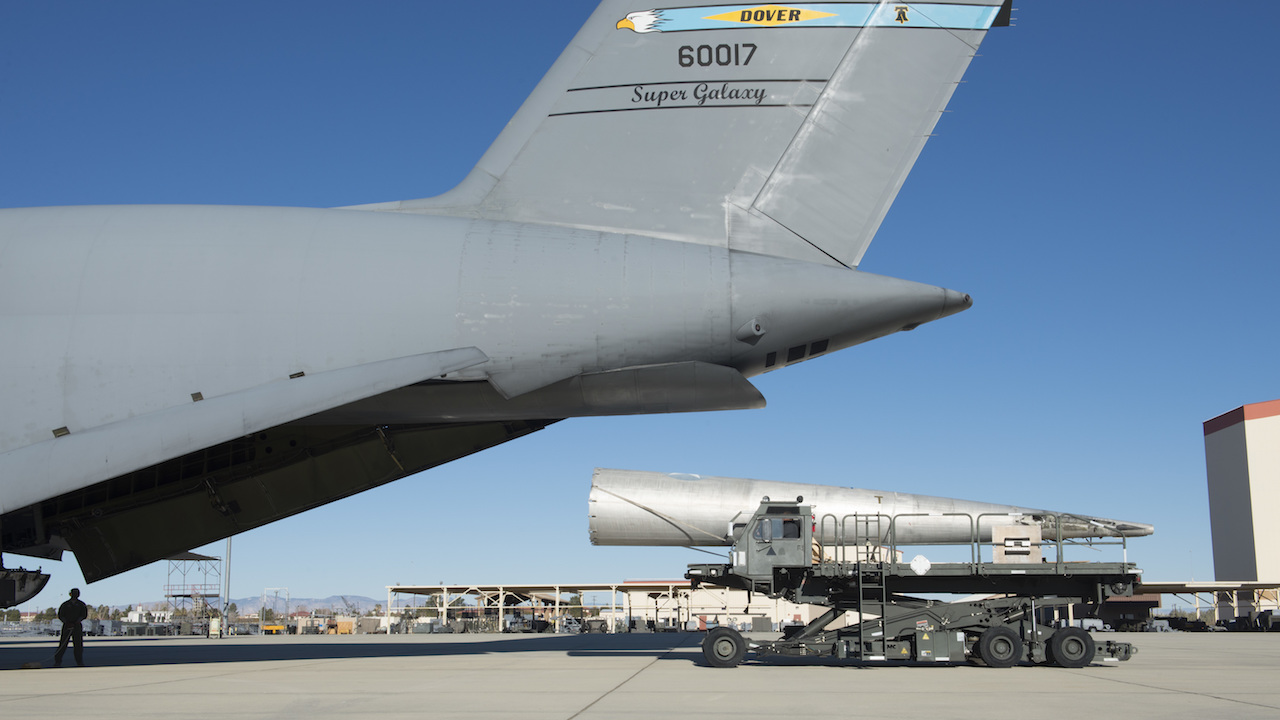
column 1242, row 459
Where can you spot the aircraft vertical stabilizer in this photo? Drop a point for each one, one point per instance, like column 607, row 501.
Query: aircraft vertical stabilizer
column 780, row 129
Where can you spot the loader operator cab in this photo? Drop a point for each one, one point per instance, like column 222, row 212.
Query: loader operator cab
column 770, row 529
column 779, row 535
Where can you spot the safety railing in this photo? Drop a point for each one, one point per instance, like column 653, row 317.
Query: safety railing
column 874, row 538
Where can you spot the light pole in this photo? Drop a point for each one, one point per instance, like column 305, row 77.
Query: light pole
column 225, row 629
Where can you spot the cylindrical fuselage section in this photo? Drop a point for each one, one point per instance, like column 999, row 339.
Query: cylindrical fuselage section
column 630, row 507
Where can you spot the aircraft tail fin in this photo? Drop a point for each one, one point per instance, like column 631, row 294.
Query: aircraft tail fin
column 780, row 129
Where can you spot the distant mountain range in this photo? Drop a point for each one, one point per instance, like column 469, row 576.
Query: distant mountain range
column 335, row 603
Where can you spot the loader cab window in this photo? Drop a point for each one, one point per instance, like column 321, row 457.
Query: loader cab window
column 770, row 529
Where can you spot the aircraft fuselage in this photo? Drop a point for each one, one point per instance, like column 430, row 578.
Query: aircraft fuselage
column 138, row 307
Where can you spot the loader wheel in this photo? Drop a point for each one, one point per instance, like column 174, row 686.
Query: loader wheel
column 1072, row 648
column 724, row 647
column 999, row 647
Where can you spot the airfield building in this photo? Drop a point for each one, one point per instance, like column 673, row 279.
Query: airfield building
column 1242, row 457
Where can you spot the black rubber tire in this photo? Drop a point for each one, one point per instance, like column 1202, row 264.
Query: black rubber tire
column 999, row 647
column 724, row 647
column 1072, row 647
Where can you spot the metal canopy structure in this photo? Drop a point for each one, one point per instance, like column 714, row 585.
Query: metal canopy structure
column 668, row 604
column 547, row 597
column 1235, row 594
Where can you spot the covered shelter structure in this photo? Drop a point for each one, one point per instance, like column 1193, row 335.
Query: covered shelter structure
column 489, row 605
column 1240, row 600
column 637, row 605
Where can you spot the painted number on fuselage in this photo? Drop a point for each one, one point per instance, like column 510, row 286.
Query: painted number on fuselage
column 723, row 55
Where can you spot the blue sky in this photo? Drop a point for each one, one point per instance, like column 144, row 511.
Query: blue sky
column 1104, row 187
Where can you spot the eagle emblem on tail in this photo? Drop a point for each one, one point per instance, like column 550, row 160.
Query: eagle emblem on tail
column 645, row 21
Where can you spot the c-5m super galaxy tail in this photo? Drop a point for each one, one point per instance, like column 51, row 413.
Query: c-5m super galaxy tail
column 785, row 130
column 675, row 209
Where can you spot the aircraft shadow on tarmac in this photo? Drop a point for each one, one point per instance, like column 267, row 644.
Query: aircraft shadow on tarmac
column 120, row 652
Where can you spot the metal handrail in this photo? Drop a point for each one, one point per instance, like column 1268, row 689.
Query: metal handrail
column 974, row 555
column 840, row 526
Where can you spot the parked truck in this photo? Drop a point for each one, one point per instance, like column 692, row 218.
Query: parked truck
column 858, row 567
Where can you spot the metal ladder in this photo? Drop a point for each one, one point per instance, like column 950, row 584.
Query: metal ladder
column 871, row 595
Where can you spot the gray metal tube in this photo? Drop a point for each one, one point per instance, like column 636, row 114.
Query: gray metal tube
column 631, row 507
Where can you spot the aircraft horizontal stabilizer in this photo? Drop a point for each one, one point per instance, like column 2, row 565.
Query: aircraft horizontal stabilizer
column 667, row 388
column 664, row 388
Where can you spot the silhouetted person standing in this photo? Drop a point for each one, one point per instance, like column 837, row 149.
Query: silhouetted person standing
column 71, row 613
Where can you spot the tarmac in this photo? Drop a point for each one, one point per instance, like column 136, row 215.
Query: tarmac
column 1174, row 675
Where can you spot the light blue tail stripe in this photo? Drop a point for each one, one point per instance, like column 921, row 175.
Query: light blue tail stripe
column 852, row 15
